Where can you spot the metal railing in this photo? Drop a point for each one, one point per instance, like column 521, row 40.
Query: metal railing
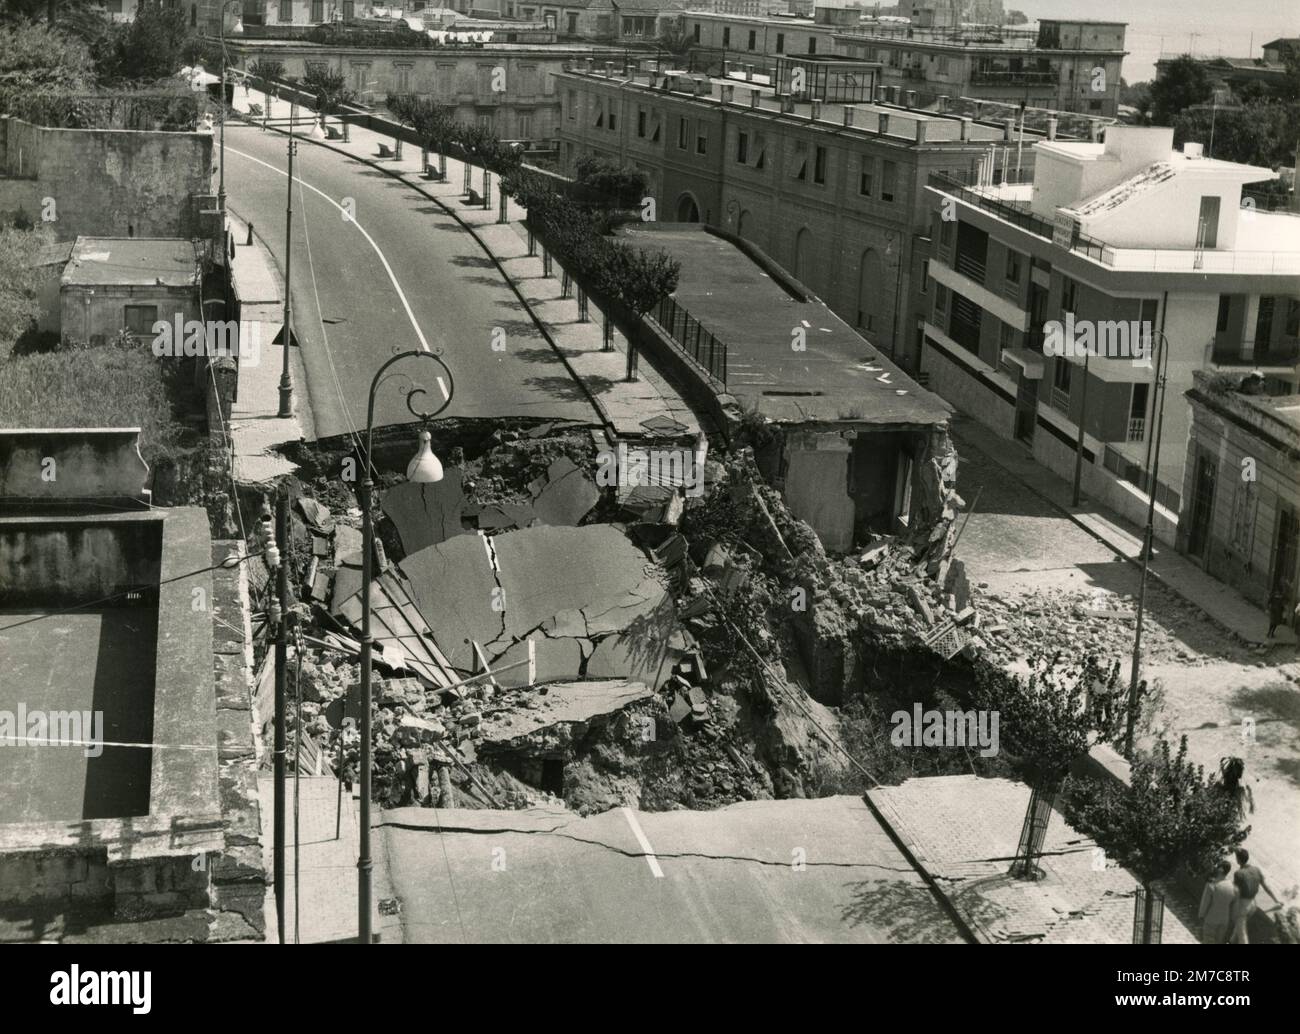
column 1029, row 77
column 693, row 339
column 1137, row 428
column 1126, row 470
column 1061, row 400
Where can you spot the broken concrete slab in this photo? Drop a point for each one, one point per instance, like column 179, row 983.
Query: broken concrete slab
column 425, row 514
column 561, row 704
column 317, row 515
column 567, row 496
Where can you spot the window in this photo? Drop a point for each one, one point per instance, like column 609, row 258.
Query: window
column 525, row 126
column 812, row 44
column 1006, row 339
column 866, row 181
column 940, row 298
column 726, row 37
column 573, row 105
column 141, row 318
column 742, row 148
column 780, row 42
column 487, row 120
column 1069, row 295
column 943, row 64
column 317, row 11
column 1013, row 266
column 701, row 140
column 403, row 73
column 753, row 39
column 683, row 136
column 888, row 180
column 613, row 117
column 1061, row 372
column 286, row 12
column 600, row 113
column 819, row 165
column 640, row 122
column 1225, row 305
column 697, row 32
column 1293, row 317
column 1137, row 412
column 360, row 78
column 947, row 232
column 1245, row 505
column 925, row 277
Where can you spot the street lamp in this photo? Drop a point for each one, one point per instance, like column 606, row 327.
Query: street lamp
column 424, row 468
column 1153, row 471
column 237, row 28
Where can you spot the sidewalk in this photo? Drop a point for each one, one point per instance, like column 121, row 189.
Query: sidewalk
column 1220, row 602
column 327, row 866
column 255, row 426
column 630, row 409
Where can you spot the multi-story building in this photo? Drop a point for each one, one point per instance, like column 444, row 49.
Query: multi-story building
column 506, row 87
column 1241, row 521
column 1129, row 236
column 630, row 19
column 829, row 183
column 744, row 37
column 1066, row 65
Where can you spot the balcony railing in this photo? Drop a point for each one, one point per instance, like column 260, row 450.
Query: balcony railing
column 1061, row 400
column 997, row 77
column 1282, row 353
column 1137, row 428
column 969, row 266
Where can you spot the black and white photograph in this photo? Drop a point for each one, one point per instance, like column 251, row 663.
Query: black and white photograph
column 634, row 472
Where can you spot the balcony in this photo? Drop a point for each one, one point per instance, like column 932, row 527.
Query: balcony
column 1137, row 429
column 999, row 77
column 1061, row 400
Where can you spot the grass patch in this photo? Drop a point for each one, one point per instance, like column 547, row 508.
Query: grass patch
column 102, row 386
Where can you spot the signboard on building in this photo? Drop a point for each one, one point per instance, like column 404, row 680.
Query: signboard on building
column 1064, row 232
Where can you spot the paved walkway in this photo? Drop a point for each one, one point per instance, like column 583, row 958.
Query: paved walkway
column 255, row 424
column 624, row 405
column 964, row 830
column 327, row 865
column 1221, row 602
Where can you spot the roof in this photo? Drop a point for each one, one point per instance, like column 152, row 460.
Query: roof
column 839, row 377
column 134, row 262
column 1154, row 175
column 57, row 253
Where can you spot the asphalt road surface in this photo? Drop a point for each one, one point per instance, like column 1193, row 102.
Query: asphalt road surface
column 798, row 871
column 400, row 275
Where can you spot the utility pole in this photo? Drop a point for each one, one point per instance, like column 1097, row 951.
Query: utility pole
column 286, row 379
column 281, row 663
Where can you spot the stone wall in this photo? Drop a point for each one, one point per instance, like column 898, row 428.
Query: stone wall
column 108, row 183
column 61, row 466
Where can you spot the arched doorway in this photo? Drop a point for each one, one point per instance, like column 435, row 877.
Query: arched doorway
column 803, row 255
column 687, row 210
column 872, row 292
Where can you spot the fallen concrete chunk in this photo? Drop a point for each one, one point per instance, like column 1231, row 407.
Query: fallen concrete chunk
column 567, row 496
column 317, row 515
column 426, row 514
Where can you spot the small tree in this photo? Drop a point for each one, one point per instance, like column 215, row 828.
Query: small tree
column 433, row 122
column 1048, row 721
column 330, row 88
column 155, row 44
column 1168, row 816
column 19, row 279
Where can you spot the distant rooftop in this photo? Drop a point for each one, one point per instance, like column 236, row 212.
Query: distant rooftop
column 133, row 262
column 839, row 377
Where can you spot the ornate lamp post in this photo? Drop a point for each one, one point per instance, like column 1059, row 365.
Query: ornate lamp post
column 424, row 468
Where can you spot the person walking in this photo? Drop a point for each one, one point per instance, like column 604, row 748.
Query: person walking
column 1276, row 605
column 1217, row 901
column 1248, row 879
column 1231, row 770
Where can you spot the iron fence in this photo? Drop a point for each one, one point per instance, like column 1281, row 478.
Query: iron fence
column 693, row 339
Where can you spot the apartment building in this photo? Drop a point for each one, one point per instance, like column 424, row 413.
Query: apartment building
column 1242, row 486
column 1110, row 232
column 1065, row 65
column 830, row 182
column 630, row 19
column 743, row 36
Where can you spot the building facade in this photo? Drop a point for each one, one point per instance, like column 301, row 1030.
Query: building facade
column 1242, row 486
column 1128, row 237
column 832, row 190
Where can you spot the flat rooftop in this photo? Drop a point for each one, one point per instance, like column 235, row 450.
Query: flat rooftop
column 133, row 262
column 839, row 377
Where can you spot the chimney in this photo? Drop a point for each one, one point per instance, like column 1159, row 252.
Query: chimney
column 884, row 122
column 911, row 98
column 702, row 87
column 1094, row 131
column 1008, row 129
column 965, row 127
column 591, row 64
column 881, row 94
column 815, row 110
column 943, row 102
column 787, row 104
column 749, row 73
column 753, row 98
column 848, row 117
column 609, row 69
column 920, row 131
column 728, row 93
column 1051, row 129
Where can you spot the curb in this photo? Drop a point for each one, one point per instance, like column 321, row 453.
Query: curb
column 601, row 412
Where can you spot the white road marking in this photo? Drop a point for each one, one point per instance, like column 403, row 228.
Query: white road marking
column 387, row 268
column 637, row 832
